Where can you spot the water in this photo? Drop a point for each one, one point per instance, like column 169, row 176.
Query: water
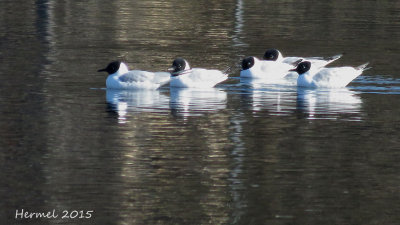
column 237, row 154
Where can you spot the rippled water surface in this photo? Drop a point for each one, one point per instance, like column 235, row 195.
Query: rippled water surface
column 241, row 153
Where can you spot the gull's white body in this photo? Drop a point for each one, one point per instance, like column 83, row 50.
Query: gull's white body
column 136, row 79
column 198, row 78
column 329, row 77
column 268, row 70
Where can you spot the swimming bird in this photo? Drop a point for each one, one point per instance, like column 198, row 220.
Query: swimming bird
column 252, row 67
column 334, row 77
column 317, row 62
column 184, row 76
column 274, row 66
column 121, row 78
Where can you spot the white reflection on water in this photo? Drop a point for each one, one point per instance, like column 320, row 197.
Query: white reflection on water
column 278, row 99
column 182, row 102
column 123, row 101
column 329, row 103
column 276, row 102
column 285, row 99
column 193, row 102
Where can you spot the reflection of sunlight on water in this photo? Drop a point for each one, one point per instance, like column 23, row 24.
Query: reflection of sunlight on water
column 329, row 103
column 239, row 21
column 377, row 84
column 236, row 171
column 123, row 101
column 193, row 102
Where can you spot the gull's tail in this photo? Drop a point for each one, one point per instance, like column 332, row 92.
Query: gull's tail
column 334, row 58
column 363, row 67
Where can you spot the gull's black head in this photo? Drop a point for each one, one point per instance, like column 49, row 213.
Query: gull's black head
column 247, row 63
column 111, row 68
column 179, row 65
column 271, row 55
column 303, row 67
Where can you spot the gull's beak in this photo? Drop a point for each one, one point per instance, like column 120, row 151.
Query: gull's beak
column 102, row 70
column 171, row 69
column 293, row 70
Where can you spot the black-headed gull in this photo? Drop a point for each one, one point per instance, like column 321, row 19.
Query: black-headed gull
column 184, row 76
column 121, row 78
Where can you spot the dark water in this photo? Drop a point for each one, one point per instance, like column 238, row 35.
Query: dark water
column 238, row 154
